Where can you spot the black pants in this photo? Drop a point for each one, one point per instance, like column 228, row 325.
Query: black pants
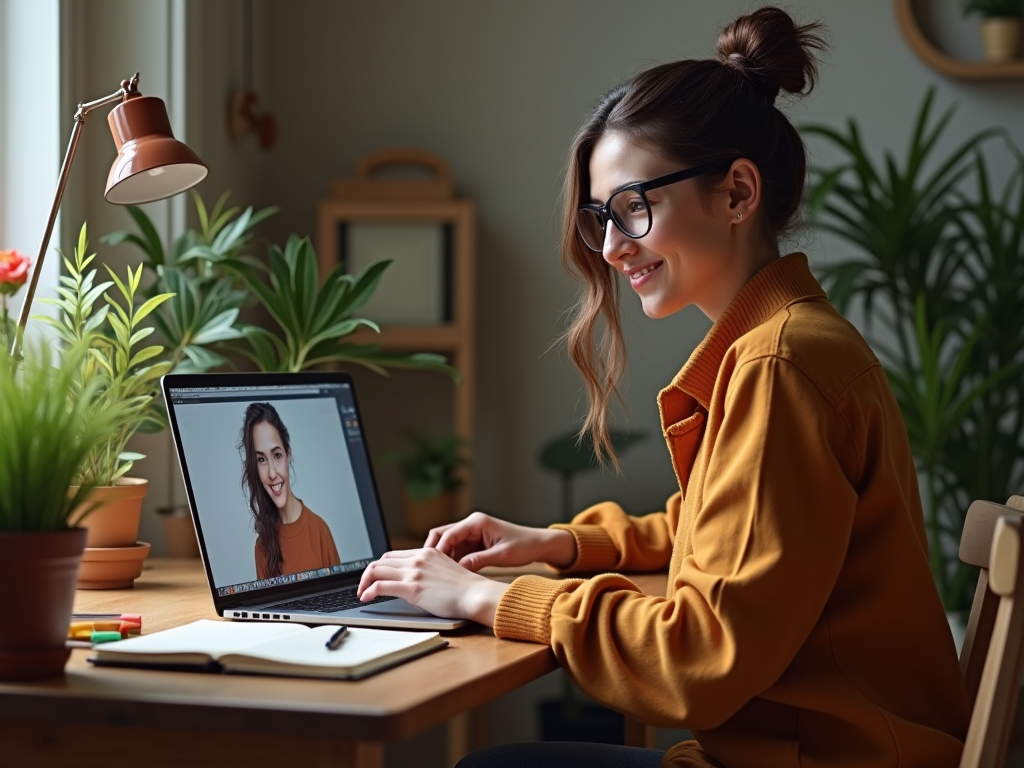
column 562, row 754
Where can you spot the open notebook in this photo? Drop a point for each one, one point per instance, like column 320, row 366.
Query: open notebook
column 270, row 649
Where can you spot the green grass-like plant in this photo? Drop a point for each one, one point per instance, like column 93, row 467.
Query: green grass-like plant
column 49, row 424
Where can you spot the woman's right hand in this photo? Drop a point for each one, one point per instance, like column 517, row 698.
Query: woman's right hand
column 480, row 540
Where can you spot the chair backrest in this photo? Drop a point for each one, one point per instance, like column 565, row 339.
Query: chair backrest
column 993, row 651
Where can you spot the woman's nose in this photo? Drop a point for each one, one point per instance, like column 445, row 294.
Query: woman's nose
column 616, row 244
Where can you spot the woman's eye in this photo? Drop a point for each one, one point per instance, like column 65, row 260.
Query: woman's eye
column 277, row 455
column 636, row 207
column 260, row 460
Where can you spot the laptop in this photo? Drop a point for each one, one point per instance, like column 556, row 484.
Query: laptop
column 283, row 497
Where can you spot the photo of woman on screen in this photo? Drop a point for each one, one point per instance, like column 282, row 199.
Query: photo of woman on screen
column 290, row 538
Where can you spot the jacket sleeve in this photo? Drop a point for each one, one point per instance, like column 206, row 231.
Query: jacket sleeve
column 768, row 543
column 607, row 539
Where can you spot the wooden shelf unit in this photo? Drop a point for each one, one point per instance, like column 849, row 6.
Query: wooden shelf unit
column 943, row 62
column 456, row 339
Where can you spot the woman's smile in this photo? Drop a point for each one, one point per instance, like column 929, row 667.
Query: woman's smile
column 642, row 274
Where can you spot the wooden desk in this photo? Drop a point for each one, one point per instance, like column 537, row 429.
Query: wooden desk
column 98, row 716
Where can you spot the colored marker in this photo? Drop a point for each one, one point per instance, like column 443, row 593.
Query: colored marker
column 104, row 637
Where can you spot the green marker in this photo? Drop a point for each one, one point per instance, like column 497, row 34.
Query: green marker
column 104, row 637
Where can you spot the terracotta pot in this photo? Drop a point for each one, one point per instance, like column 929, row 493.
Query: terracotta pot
column 115, row 522
column 37, row 585
column 111, row 567
column 421, row 516
column 1000, row 39
column 179, row 532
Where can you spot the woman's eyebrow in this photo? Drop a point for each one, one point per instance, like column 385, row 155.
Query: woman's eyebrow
column 275, row 448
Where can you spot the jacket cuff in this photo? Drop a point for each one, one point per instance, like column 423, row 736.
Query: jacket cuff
column 595, row 550
column 524, row 611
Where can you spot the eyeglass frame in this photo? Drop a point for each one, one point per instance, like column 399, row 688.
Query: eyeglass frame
column 605, row 215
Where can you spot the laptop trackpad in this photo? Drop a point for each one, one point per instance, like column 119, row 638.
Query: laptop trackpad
column 395, row 608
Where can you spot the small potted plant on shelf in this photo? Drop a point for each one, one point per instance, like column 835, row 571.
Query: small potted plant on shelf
column 430, row 479
column 125, row 377
column 1000, row 27
column 48, row 425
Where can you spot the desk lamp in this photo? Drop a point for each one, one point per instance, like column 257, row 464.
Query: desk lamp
column 151, row 165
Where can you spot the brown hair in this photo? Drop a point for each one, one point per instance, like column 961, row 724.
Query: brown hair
column 696, row 112
column 264, row 512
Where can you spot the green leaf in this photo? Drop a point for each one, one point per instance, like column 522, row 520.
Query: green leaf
column 154, row 248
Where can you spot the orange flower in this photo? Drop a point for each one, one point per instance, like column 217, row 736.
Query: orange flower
column 13, row 271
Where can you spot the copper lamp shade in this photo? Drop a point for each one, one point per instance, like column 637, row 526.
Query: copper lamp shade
column 151, row 164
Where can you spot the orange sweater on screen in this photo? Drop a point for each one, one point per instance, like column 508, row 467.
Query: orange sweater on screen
column 306, row 545
column 801, row 626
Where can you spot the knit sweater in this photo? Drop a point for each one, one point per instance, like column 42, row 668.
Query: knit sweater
column 306, row 545
column 801, row 625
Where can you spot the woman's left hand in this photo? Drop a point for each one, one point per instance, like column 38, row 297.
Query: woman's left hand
column 431, row 580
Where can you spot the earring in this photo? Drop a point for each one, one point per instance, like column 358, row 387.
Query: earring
column 739, row 215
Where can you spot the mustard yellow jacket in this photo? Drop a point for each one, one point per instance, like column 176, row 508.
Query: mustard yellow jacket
column 801, row 626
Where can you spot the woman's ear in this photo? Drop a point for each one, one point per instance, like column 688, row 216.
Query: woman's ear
column 743, row 190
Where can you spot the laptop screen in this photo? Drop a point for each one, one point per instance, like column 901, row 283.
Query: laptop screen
column 280, row 480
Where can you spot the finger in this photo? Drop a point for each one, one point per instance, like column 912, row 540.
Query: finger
column 457, row 534
column 435, row 535
column 497, row 555
column 400, row 553
column 374, row 571
column 389, row 588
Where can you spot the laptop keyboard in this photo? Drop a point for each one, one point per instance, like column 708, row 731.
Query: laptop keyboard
column 329, row 602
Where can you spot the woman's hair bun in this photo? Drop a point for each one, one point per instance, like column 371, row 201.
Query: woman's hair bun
column 772, row 51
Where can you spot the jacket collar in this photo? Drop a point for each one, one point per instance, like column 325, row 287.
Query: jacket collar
column 775, row 286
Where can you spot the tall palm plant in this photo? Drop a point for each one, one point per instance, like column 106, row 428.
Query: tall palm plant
column 937, row 265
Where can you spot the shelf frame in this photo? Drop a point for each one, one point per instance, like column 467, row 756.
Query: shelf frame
column 944, row 63
column 455, row 339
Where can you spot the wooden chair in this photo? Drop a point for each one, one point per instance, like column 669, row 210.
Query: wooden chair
column 993, row 651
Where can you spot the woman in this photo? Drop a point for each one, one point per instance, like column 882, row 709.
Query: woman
column 290, row 538
column 801, row 625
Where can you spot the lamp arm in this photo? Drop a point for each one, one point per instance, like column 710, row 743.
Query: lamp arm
column 128, row 88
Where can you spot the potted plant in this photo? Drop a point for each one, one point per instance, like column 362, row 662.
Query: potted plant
column 125, row 376
column 49, row 424
column 942, row 271
column 1000, row 27
column 430, row 478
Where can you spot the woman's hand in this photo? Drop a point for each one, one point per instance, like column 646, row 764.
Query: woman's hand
column 434, row 582
column 481, row 540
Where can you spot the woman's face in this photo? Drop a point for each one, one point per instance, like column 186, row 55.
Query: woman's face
column 684, row 259
column 272, row 462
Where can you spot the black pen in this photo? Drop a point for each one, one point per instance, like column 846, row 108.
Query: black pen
column 335, row 642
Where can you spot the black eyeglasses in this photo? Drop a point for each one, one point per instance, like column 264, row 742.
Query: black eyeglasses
column 628, row 208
